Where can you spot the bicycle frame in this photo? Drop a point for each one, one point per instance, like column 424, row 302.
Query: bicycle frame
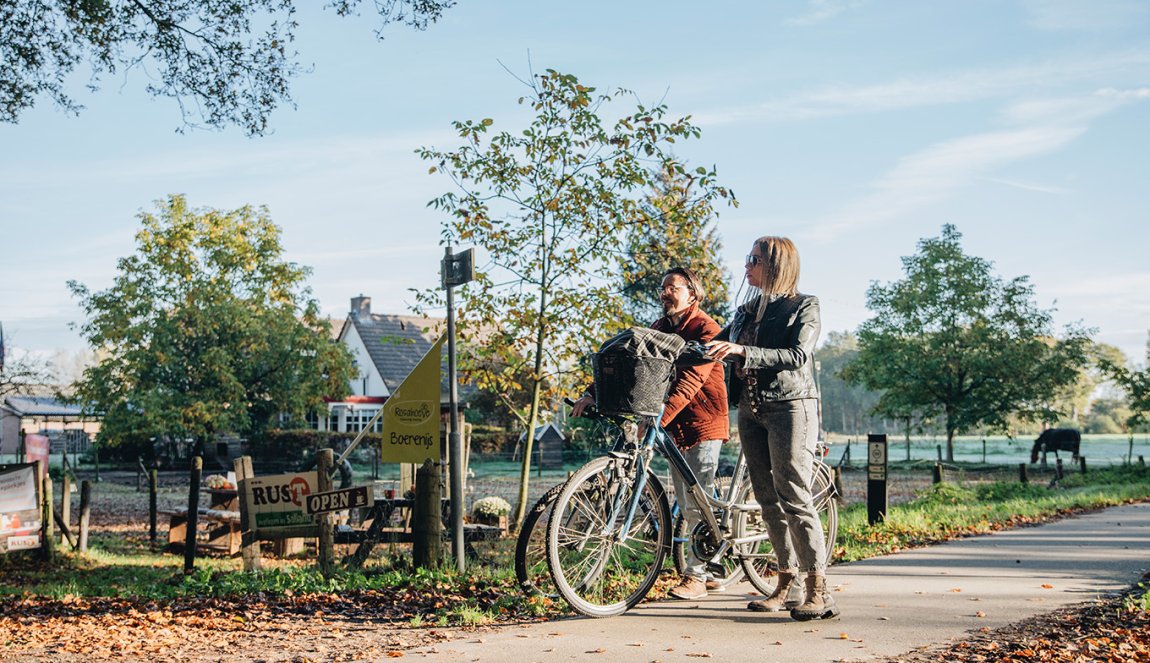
column 657, row 440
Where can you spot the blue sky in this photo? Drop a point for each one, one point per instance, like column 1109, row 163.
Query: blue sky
column 855, row 127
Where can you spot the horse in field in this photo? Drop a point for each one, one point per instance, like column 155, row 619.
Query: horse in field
column 1056, row 439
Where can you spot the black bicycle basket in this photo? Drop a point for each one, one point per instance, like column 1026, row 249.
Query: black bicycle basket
column 634, row 370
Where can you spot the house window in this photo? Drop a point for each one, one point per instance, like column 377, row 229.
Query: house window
column 359, row 417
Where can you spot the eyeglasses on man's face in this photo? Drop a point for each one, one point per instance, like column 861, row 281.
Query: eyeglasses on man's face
column 753, row 260
column 670, row 288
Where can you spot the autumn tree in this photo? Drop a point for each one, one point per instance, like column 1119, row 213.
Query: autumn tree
column 549, row 204
column 677, row 230
column 206, row 329
column 224, row 62
column 954, row 340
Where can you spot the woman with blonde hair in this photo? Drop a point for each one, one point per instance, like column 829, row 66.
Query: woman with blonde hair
column 771, row 339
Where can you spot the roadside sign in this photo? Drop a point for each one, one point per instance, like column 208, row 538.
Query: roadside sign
column 338, row 500
column 19, row 508
column 876, row 502
column 275, row 504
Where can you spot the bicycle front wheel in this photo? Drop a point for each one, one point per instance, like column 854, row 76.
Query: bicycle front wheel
column 601, row 564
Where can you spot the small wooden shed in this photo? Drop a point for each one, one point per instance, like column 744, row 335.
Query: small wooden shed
column 548, row 447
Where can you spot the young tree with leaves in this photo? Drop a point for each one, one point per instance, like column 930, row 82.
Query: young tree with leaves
column 206, row 329
column 549, row 204
column 226, row 62
column 677, row 230
column 1135, row 382
column 955, row 340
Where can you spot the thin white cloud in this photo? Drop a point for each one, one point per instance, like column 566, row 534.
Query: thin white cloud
column 1027, row 186
column 1092, row 15
column 941, row 89
column 823, row 10
column 351, row 153
column 937, row 172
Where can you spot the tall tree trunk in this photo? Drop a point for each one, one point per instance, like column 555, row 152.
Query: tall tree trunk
column 529, row 445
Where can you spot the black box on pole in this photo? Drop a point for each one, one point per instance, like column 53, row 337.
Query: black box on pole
column 876, row 457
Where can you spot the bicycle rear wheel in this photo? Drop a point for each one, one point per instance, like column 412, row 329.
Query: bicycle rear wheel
column 759, row 561
column 599, row 568
column 531, row 547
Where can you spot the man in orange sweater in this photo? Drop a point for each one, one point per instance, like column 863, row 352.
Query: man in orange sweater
column 695, row 413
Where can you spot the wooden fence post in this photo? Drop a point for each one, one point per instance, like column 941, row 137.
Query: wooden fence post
column 193, row 514
column 426, row 521
column 1082, row 464
column 47, row 532
column 1058, row 470
column 936, row 474
column 250, row 543
column 85, row 513
column 153, row 491
column 324, row 460
column 1023, row 476
column 66, row 494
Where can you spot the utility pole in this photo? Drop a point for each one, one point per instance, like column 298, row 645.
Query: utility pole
column 458, row 269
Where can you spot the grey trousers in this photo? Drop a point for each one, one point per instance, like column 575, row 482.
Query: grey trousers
column 703, row 459
column 779, row 445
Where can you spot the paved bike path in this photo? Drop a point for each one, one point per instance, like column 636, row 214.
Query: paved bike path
column 890, row 605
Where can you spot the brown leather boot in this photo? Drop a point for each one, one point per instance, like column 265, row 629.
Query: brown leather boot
column 788, row 594
column 819, row 604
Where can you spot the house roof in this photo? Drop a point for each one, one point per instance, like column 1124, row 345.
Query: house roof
column 42, row 406
column 396, row 343
column 546, row 431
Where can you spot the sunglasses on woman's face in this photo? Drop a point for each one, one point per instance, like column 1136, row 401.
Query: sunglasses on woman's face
column 753, row 260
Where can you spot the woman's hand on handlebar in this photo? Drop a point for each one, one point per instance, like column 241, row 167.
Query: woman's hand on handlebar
column 580, row 405
column 720, row 350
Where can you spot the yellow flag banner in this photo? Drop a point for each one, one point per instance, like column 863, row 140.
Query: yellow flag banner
column 411, row 414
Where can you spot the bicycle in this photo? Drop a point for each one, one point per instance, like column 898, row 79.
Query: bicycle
column 609, row 530
column 531, row 544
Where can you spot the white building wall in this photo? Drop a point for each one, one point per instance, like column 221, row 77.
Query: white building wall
column 369, row 382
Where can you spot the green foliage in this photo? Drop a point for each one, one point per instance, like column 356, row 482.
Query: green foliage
column 1139, row 600
column 549, row 204
column 677, row 230
column 953, row 340
column 276, row 581
column 207, row 54
column 206, row 329
column 297, row 446
column 846, row 407
column 1136, row 384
